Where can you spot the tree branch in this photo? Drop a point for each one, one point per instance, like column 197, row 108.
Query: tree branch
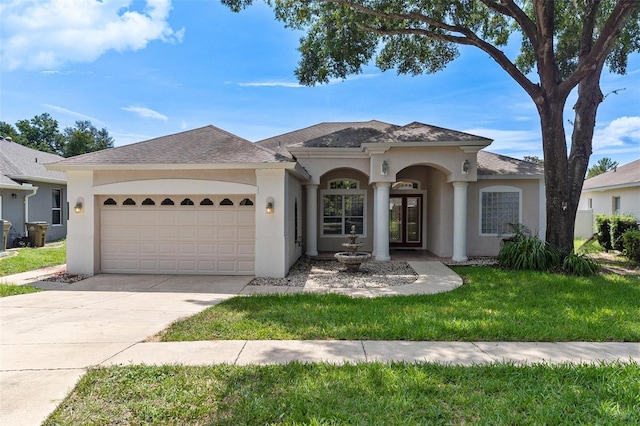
column 468, row 38
column 511, row 9
column 603, row 45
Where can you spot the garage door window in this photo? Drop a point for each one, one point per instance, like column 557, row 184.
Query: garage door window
column 148, row 202
column 226, row 202
column 186, row 202
column 110, row 202
column 246, row 202
column 167, row 202
column 206, row 202
column 128, row 202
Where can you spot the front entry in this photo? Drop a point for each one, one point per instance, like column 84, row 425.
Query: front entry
column 405, row 220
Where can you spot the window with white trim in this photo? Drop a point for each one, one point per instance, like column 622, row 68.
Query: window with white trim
column 343, row 208
column 615, row 205
column 499, row 207
column 56, row 207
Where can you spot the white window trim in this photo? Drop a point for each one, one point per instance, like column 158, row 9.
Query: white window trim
column 343, row 192
column 498, row 188
column 57, row 208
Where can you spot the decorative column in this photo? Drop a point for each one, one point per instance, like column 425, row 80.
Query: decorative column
column 312, row 220
column 459, row 221
column 381, row 218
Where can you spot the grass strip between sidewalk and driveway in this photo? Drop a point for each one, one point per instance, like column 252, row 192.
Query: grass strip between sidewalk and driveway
column 493, row 305
column 371, row 394
column 7, row 290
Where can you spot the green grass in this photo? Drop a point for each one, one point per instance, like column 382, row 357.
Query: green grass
column 362, row 394
column 29, row 259
column 493, row 305
column 12, row 290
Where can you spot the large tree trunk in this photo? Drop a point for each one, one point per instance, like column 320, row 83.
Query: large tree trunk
column 560, row 220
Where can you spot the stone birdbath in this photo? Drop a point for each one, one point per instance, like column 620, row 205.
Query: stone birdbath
column 352, row 258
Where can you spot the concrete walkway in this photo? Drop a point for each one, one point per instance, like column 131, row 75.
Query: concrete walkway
column 49, row 339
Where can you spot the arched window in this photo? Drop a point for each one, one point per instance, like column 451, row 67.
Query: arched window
column 246, row 202
column 186, row 202
column 226, row 202
column 148, row 202
column 206, row 202
column 128, row 202
column 167, row 202
column 344, row 184
column 110, row 202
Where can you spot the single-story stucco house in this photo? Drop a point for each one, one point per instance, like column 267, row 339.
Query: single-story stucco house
column 31, row 193
column 614, row 192
column 206, row 201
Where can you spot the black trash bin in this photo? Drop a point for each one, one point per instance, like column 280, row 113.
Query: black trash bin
column 37, row 232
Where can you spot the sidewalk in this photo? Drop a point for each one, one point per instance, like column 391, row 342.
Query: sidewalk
column 243, row 352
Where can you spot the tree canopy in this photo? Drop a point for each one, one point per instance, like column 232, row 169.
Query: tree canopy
column 564, row 45
column 42, row 133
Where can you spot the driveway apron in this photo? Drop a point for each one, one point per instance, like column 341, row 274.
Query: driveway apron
column 49, row 339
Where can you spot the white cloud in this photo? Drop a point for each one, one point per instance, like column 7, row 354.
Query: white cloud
column 45, row 34
column 621, row 134
column 75, row 114
column 146, row 112
column 514, row 143
column 290, row 84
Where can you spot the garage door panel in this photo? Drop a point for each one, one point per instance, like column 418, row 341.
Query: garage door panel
column 178, row 239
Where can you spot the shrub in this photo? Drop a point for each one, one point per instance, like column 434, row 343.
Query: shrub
column 580, row 264
column 618, row 225
column 631, row 244
column 603, row 235
column 526, row 251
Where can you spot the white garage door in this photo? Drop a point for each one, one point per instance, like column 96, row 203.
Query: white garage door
column 177, row 234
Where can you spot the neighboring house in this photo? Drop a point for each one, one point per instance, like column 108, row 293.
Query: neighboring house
column 31, row 193
column 614, row 192
column 209, row 202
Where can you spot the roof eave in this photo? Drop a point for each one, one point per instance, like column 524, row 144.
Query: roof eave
column 316, row 152
column 473, row 146
column 510, row 177
column 176, row 166
column 608, row 187
column 38, row 179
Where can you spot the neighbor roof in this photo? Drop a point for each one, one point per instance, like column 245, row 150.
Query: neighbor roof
column 355, row 134
column 206, row 145
column 490, row 164
column 627, row 175
column 19, row 163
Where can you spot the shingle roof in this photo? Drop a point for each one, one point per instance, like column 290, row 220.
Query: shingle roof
column 20, row 163
column 206, row 145
column 354, row 134
column 627, row 175
column 495, row 164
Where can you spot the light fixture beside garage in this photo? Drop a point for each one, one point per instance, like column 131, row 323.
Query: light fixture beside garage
column 78, row 207
column 270, row 205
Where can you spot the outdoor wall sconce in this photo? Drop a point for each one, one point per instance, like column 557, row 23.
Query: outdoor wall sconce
column 384, row 168
column 270, row 205
column 78, row 207
column 465, row 166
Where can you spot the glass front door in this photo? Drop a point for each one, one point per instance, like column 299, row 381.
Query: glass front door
column 405, row 221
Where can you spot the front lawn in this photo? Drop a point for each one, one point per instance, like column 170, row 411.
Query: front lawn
column 29, row 259
column 493, row 305
column 362, row 394
column 12, row 290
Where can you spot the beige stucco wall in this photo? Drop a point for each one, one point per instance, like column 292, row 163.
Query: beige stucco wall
column 479, row 245
column 293, row 219
column 602, row 201
column 103, row 177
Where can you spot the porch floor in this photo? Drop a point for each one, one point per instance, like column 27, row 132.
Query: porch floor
column 399, row 255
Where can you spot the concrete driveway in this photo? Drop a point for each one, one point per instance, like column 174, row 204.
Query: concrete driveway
column 48, row 339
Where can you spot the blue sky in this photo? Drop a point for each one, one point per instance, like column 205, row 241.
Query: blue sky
column 144, row 69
